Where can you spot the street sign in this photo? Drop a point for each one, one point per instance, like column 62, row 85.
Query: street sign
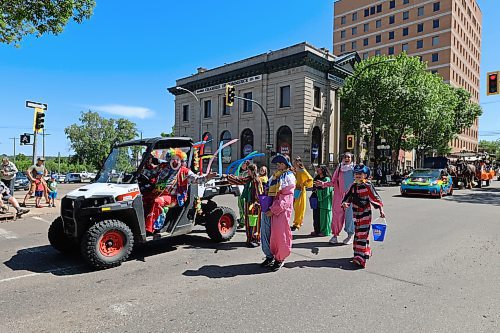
column 269, row 146
column 33, row 105
column 25, row 139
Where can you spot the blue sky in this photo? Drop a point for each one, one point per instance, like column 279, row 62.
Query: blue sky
column 124, row 57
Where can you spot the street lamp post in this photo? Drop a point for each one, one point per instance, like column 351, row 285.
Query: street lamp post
column 199, row 106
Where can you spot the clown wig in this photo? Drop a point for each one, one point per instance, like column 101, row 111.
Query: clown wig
column 177, row 152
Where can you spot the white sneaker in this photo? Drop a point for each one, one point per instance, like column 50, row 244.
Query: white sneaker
column 333, row 240
column 348, row 240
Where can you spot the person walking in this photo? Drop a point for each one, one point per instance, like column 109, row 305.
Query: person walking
column 252, row 189
column 303, row 182
column 361, row 195
column 8, row 173
column 32, row 173
column 342, row 179
column 52, row 186
column 325, row 203
column 281, row 187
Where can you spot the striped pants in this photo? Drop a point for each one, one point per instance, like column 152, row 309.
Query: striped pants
column 361, row 244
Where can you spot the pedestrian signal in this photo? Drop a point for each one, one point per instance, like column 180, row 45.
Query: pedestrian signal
column 230, row 93
column 350, row 142
column 492, row 84
column 25, row 139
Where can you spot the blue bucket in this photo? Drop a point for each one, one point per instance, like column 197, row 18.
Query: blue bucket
column 379, row 231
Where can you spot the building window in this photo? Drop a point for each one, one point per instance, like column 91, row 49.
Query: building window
column 365, row 55
column 284, row 140
column 435, row 41
column 342, row 48
column 420, row 27
column 405, row 31
column 247, row 105
column 378, row 23
column 435, row 23
column 354, row 30
column 285, row 95
column 225, row 137
column 185, row 113
column 354, row 16
column 366, row 27
column 435, row 57
column 392, row 19
column 392, row 4
column 379, row 8
column 420, row 11
column 405, row 47
column 405, row 2
column 365, row 42
column 208, row 109
column 390, row 51
column 317, row 97
column 420, row 44
column 406, row 15
column 316, row 146
column 372, row 10
column 353, row 45
column 437, row 6
column 246, row 142
column 342, row 20
column 225, row 108
column 207, row 136
column 391, row 35
column 367, row 12
column 342, row 34
column 378, row 38
column 377, row 52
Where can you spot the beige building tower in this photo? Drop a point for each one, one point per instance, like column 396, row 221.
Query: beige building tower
column 445, row 33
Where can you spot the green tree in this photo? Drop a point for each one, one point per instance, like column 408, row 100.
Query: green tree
column 492, row 147
column 93, row 138
column 19, row 18
column 168, row 135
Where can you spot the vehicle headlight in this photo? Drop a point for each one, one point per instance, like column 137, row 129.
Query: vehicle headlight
column 434, row 182
column 404, row 182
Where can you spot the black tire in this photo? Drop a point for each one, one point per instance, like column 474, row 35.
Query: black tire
column 221, row 224
column 58, row 238
column 107, row 244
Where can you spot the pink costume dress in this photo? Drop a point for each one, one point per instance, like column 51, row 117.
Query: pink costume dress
column 282, row 208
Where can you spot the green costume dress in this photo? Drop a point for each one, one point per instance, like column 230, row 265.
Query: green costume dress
column 325, row 197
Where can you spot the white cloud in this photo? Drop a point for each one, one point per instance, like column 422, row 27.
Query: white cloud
column 124, row 110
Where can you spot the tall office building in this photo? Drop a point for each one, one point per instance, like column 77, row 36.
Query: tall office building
column 445, row 33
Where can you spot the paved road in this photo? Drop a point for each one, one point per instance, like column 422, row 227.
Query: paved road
column 438, row 271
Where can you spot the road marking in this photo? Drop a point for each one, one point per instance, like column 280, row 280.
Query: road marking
column 7, row 234
column 44, row 272
column 40, row 219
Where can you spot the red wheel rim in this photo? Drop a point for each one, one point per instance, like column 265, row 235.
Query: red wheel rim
column 225, row 224
column 111, row 243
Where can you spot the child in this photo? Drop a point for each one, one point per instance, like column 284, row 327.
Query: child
column 263, row 175
column 52, row 186
column 39, row 189
column 361, row 194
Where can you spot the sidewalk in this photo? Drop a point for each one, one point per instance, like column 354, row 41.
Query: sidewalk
column 30, row 204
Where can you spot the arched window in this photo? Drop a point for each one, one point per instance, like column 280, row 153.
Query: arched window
column 225, row 136
column 246, row 142
column 316, row 146
column 284, row 141
column 209, row 146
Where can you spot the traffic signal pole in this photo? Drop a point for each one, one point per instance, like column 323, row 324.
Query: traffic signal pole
column 268, row 130
column 34, row 147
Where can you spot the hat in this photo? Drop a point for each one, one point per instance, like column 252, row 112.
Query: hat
column 281, row 159
column 41, row 159
column 361, row 168
column 53, row 176
column 39, row 173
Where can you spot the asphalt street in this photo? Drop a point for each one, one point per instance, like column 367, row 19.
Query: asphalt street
column 437, row 271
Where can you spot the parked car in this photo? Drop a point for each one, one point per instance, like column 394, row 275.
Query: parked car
column 73, row 178
column 22, row 182
column 432, row 182
column 60, row 178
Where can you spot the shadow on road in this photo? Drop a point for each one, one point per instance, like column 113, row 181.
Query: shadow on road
column 479, row 196
column 219, row 272
column 340, row 263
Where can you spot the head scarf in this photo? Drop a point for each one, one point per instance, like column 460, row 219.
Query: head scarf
column 344, row 167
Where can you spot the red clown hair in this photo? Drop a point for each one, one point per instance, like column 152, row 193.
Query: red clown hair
column 177, row 152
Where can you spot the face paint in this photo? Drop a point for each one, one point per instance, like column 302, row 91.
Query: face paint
column 175, row 163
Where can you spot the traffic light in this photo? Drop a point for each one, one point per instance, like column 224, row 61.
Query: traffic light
column 230, row 93
column 39, row 120
column 350, row 141
column 25, row 139
column 492, row 84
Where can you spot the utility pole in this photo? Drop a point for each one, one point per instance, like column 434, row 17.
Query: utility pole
column 38, row 122
column 14, row 141
column 43, row 142
column 59, row 163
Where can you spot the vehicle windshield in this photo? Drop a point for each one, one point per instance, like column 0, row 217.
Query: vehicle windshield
column 425, row 173
column 121, row 165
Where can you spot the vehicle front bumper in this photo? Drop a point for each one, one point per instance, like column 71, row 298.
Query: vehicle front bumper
column 421, row 189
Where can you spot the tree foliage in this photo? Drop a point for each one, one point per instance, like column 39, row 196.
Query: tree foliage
column 93, row 138
column 168, row 135
column 397, row 98
column 19, row 18
column 492, row 147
